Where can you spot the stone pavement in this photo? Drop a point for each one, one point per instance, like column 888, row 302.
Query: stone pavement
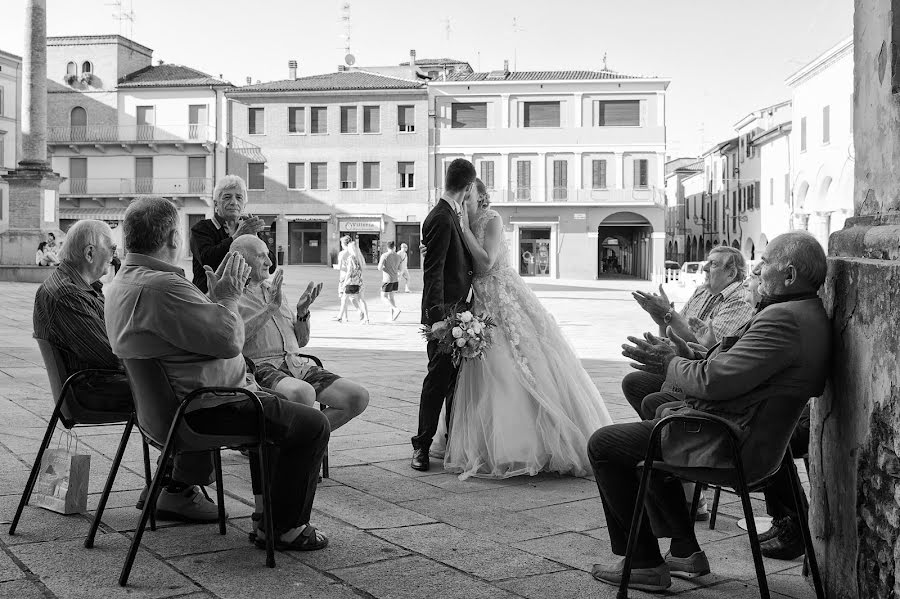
column 395, row 532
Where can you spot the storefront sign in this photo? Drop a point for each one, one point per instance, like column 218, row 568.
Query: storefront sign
column 360, row 225
column 579, row 216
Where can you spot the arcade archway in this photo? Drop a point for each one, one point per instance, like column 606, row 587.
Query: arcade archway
column 624, row 246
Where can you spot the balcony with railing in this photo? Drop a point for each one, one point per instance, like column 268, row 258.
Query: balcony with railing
column 640, row 196
column 100, row 134
column 184, row 186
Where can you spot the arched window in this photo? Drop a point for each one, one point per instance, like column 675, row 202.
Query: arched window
column 87, row 67
column 71, row 69
column 78, row 124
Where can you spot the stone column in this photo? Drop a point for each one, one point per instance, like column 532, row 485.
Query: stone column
column 855, row 470
column 33, row 187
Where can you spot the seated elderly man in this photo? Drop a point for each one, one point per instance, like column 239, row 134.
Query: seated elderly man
column 154, row 312
column 68, row 312
column 274, row 334
column 718, row 303
column 211, row 238
column 781, row 354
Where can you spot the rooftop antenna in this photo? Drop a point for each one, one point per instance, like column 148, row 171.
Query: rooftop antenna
column 604, row 62
column 515, row 29
column 349, row 59
column 122, row 15
column 447, row 28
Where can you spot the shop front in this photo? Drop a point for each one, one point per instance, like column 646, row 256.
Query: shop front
column 307, row 239
column 532, row 245
column 367, row 231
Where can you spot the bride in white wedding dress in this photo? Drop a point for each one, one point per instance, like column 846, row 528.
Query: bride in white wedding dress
column 528, row 406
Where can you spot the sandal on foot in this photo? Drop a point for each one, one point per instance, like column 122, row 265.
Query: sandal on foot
column 308, row 540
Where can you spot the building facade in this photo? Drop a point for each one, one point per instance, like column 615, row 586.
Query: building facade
column 822, row 153
column 119, row 127
column 10, row 125
column 334, row 154
column 676, row 206
column 574, row 161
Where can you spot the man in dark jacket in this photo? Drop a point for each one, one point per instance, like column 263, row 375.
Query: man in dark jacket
column 447, row 279
column 211, row 238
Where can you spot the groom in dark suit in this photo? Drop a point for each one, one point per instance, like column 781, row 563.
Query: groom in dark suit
column 447, row 279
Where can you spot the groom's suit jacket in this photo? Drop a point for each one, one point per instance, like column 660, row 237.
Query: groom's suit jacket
column 759, row 382
column 448, row 266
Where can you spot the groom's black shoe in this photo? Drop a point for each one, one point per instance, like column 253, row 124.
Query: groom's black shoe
column 420, row 460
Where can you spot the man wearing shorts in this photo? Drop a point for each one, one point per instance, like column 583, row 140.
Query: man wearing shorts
column 389, row 265
column 274, row 333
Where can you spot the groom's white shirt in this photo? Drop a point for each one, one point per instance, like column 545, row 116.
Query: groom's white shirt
column 453, row 204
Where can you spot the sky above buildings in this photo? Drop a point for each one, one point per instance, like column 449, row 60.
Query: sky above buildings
column 725, row 57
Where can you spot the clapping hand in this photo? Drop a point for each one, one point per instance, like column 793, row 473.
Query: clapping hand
column 309, row 296
column 655, row 305
column 228, row 281
column 702, row 330
column 651, row 354
column 277, row 291
column 249, row 226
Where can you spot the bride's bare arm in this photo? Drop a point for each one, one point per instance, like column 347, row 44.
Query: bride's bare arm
column 484, row 257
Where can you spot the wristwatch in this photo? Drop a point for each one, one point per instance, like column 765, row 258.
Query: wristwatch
column 668, row 317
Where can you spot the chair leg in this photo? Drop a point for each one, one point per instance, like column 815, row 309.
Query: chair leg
column 811, row 560
column 148, row 478
column 325, row 457
column 149, row 506
column 220, row 491
column 635, row 529
column 110, row 479
column 695, row 502
column 754, row 539
column 268, row 521
column 715, row 508
column 35, row 470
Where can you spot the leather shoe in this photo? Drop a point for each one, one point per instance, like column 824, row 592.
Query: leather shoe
column 189, row 505
column 694, row 565
column 774, row 530
column 787, row 545
column 653, row 580
column 420, row 460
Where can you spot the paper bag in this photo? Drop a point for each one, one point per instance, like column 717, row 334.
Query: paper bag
column 62, row 484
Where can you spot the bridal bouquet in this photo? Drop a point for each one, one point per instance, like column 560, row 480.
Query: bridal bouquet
column 463, row 335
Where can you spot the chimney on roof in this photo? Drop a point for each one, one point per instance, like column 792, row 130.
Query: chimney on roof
column 413, row 71
column 292, row 69
column 159, row 62
column 249, row 80
column 506, row 67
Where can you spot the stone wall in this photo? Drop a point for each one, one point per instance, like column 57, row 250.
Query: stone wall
column 856, row 427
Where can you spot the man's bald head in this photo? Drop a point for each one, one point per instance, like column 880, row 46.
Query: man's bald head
column 255, row 251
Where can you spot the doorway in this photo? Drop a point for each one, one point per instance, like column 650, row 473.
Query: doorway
column 369, row 244
column 305, row 242
column 624, row 246
column 411, row 236
column 534, row 252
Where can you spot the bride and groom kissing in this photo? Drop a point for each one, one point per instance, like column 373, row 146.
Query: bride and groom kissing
column 528, row 406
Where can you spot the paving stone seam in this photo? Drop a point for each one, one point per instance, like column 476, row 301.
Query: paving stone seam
column 29, row 575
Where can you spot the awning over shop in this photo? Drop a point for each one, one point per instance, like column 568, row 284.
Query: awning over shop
column 533, row 219
column 366, row 223
column 115, row 214
column 308, row 217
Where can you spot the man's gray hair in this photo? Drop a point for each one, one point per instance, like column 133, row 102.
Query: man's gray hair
column 735, row 258
column 149, row 220
column 803, row 251
column 247, row 245
column 80, row 235
column 229, row 182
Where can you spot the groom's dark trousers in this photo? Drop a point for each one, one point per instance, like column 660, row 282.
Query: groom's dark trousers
column 438, row 386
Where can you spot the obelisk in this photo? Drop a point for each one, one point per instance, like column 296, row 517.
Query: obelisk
column 33, row 186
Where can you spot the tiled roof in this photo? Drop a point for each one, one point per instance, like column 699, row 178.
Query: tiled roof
column 169, row 75
column 540, row 76
column 437, row 61
column 342, row 80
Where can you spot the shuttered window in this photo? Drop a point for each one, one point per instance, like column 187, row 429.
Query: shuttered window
column 598, row 174
column 640, row 173
column 487, row 174
column 318, row 175
column 296, row 120
column 407, row 172
column 523, row 180
column 787, row 188
column 255, row 177
column 803, row 134
column 406, row 118
column 826, row 124
column 348, row 119
column 296, row 178
column 371, row 175
column 256, row 121
column 468, row 115
column 318, row 119
column 371, row 119
column 560, row 179
column 541, row 114
column 619, row 113
column 348, row 175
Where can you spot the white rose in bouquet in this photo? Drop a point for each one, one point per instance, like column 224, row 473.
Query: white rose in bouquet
column 457, row 332
column 460, row 342
column 477, row 327
column 466, row 316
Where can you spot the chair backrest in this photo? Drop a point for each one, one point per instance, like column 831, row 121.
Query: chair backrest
column 769, row 435
column 155, row 402
column 56, row 372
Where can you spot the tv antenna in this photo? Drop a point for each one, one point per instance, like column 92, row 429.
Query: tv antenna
column 515, row 29
column 122, row 16
column 346, row 23
column 447, row 28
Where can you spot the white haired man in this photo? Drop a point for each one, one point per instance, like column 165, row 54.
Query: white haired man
column 69, row 312
column 211, row 238
column 154, row 312
column 274, row 333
